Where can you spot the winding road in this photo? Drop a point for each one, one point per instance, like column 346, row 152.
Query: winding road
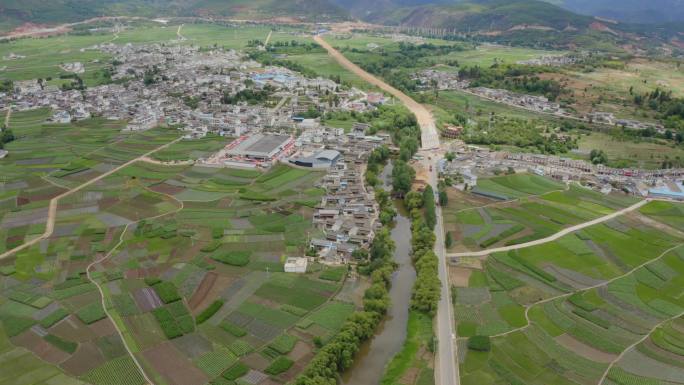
column 52, row 208
column 446, row 367
column 572, row 229
column 429, row 135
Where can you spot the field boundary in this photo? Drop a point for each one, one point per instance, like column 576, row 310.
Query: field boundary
column 99, row 287
column 52, row 208
column 564, row 295
column 556, row 236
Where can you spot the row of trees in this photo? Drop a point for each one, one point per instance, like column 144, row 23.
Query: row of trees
column 426, row 291
column 338, row 354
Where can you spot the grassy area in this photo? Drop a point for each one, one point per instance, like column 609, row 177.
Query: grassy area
column 411, row 358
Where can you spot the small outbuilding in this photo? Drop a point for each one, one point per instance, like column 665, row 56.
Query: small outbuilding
column 296, row 265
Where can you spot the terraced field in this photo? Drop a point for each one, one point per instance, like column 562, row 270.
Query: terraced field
column 173, row 240
column 519, row 208
column 601, row 305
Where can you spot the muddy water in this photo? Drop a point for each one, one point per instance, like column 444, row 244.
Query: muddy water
column 374, row 355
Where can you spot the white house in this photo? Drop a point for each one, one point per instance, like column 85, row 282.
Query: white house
column 296, row 265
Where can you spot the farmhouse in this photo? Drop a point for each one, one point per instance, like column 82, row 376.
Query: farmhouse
column 296, row 265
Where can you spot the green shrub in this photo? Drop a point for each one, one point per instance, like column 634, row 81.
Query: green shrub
column 53, row 318
column 480, row 343
column 67, row 346
column 236, row 371
column 16, row 325
column 294, row 310
column 91, row 313
column 578, row 300
column 151, row 281
column 334, row 274
column 233, row 329
column 233, row 258
column 279, row 365
column 592, row 318
column 533, row 268
column 283, row 344
column 166, row 292
column 167, row 323
column 209, row 311
column 211, row 246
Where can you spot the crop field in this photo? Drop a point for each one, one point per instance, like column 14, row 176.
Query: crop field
column 165, row 237
column 488, row 54
column 529, row 207
column 562, row 312
column 47, row 159
column 643, row 154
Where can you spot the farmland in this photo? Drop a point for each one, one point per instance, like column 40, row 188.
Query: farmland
column 599, row 305
column 178, row 238
column 531, row 207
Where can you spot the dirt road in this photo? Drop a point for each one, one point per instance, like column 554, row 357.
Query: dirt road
column 52, row 208
column 8, row 115
column 429, row 136
column 553, row 237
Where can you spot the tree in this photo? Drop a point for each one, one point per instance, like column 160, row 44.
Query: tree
column 413, row 200
column 402, row 178
column 443, row 198
column 598, row 157
column 479, row 343
column 449, row 240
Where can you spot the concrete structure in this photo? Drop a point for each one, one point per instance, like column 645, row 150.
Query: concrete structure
column 296, row 265
column 671, row 190
column 261, row 146
column 321, row 160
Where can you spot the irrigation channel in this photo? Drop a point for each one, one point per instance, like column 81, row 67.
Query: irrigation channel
column 375, row 354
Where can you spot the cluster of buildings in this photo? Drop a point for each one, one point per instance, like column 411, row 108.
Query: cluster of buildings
column 185, row 86
column 609, row 118
column 444, row 80
column 347, row 214
column 471, row 161
column 551, row 61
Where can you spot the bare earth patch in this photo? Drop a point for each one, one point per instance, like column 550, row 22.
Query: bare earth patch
column 173, row 365
column 41, row 348
column 459, row 276
column 584, row 350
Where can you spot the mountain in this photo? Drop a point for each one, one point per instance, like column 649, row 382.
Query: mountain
column 16, row 12
column 633, row 11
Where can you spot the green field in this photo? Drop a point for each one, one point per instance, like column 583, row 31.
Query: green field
column 589, row 295
column 171, row 236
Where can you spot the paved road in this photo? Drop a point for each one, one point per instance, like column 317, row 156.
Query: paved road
column 446, row 368
column 52, row 208
column 553, row 237
column 429, row 136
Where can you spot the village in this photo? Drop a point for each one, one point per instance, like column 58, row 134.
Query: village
column 443, row 81
column 470, row 162
column 263, row 109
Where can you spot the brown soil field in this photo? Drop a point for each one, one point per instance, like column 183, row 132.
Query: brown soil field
column 584, row 350
column 167, row 189
column 173, row 366
column 459, row 276
column 256, row 361
column 208, row 291
column 86, row 358
column 72, row 329
column 103, row 327
column 145, row 329
column 41, row 348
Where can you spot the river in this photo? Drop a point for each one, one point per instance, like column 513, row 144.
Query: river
column 369, row 364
